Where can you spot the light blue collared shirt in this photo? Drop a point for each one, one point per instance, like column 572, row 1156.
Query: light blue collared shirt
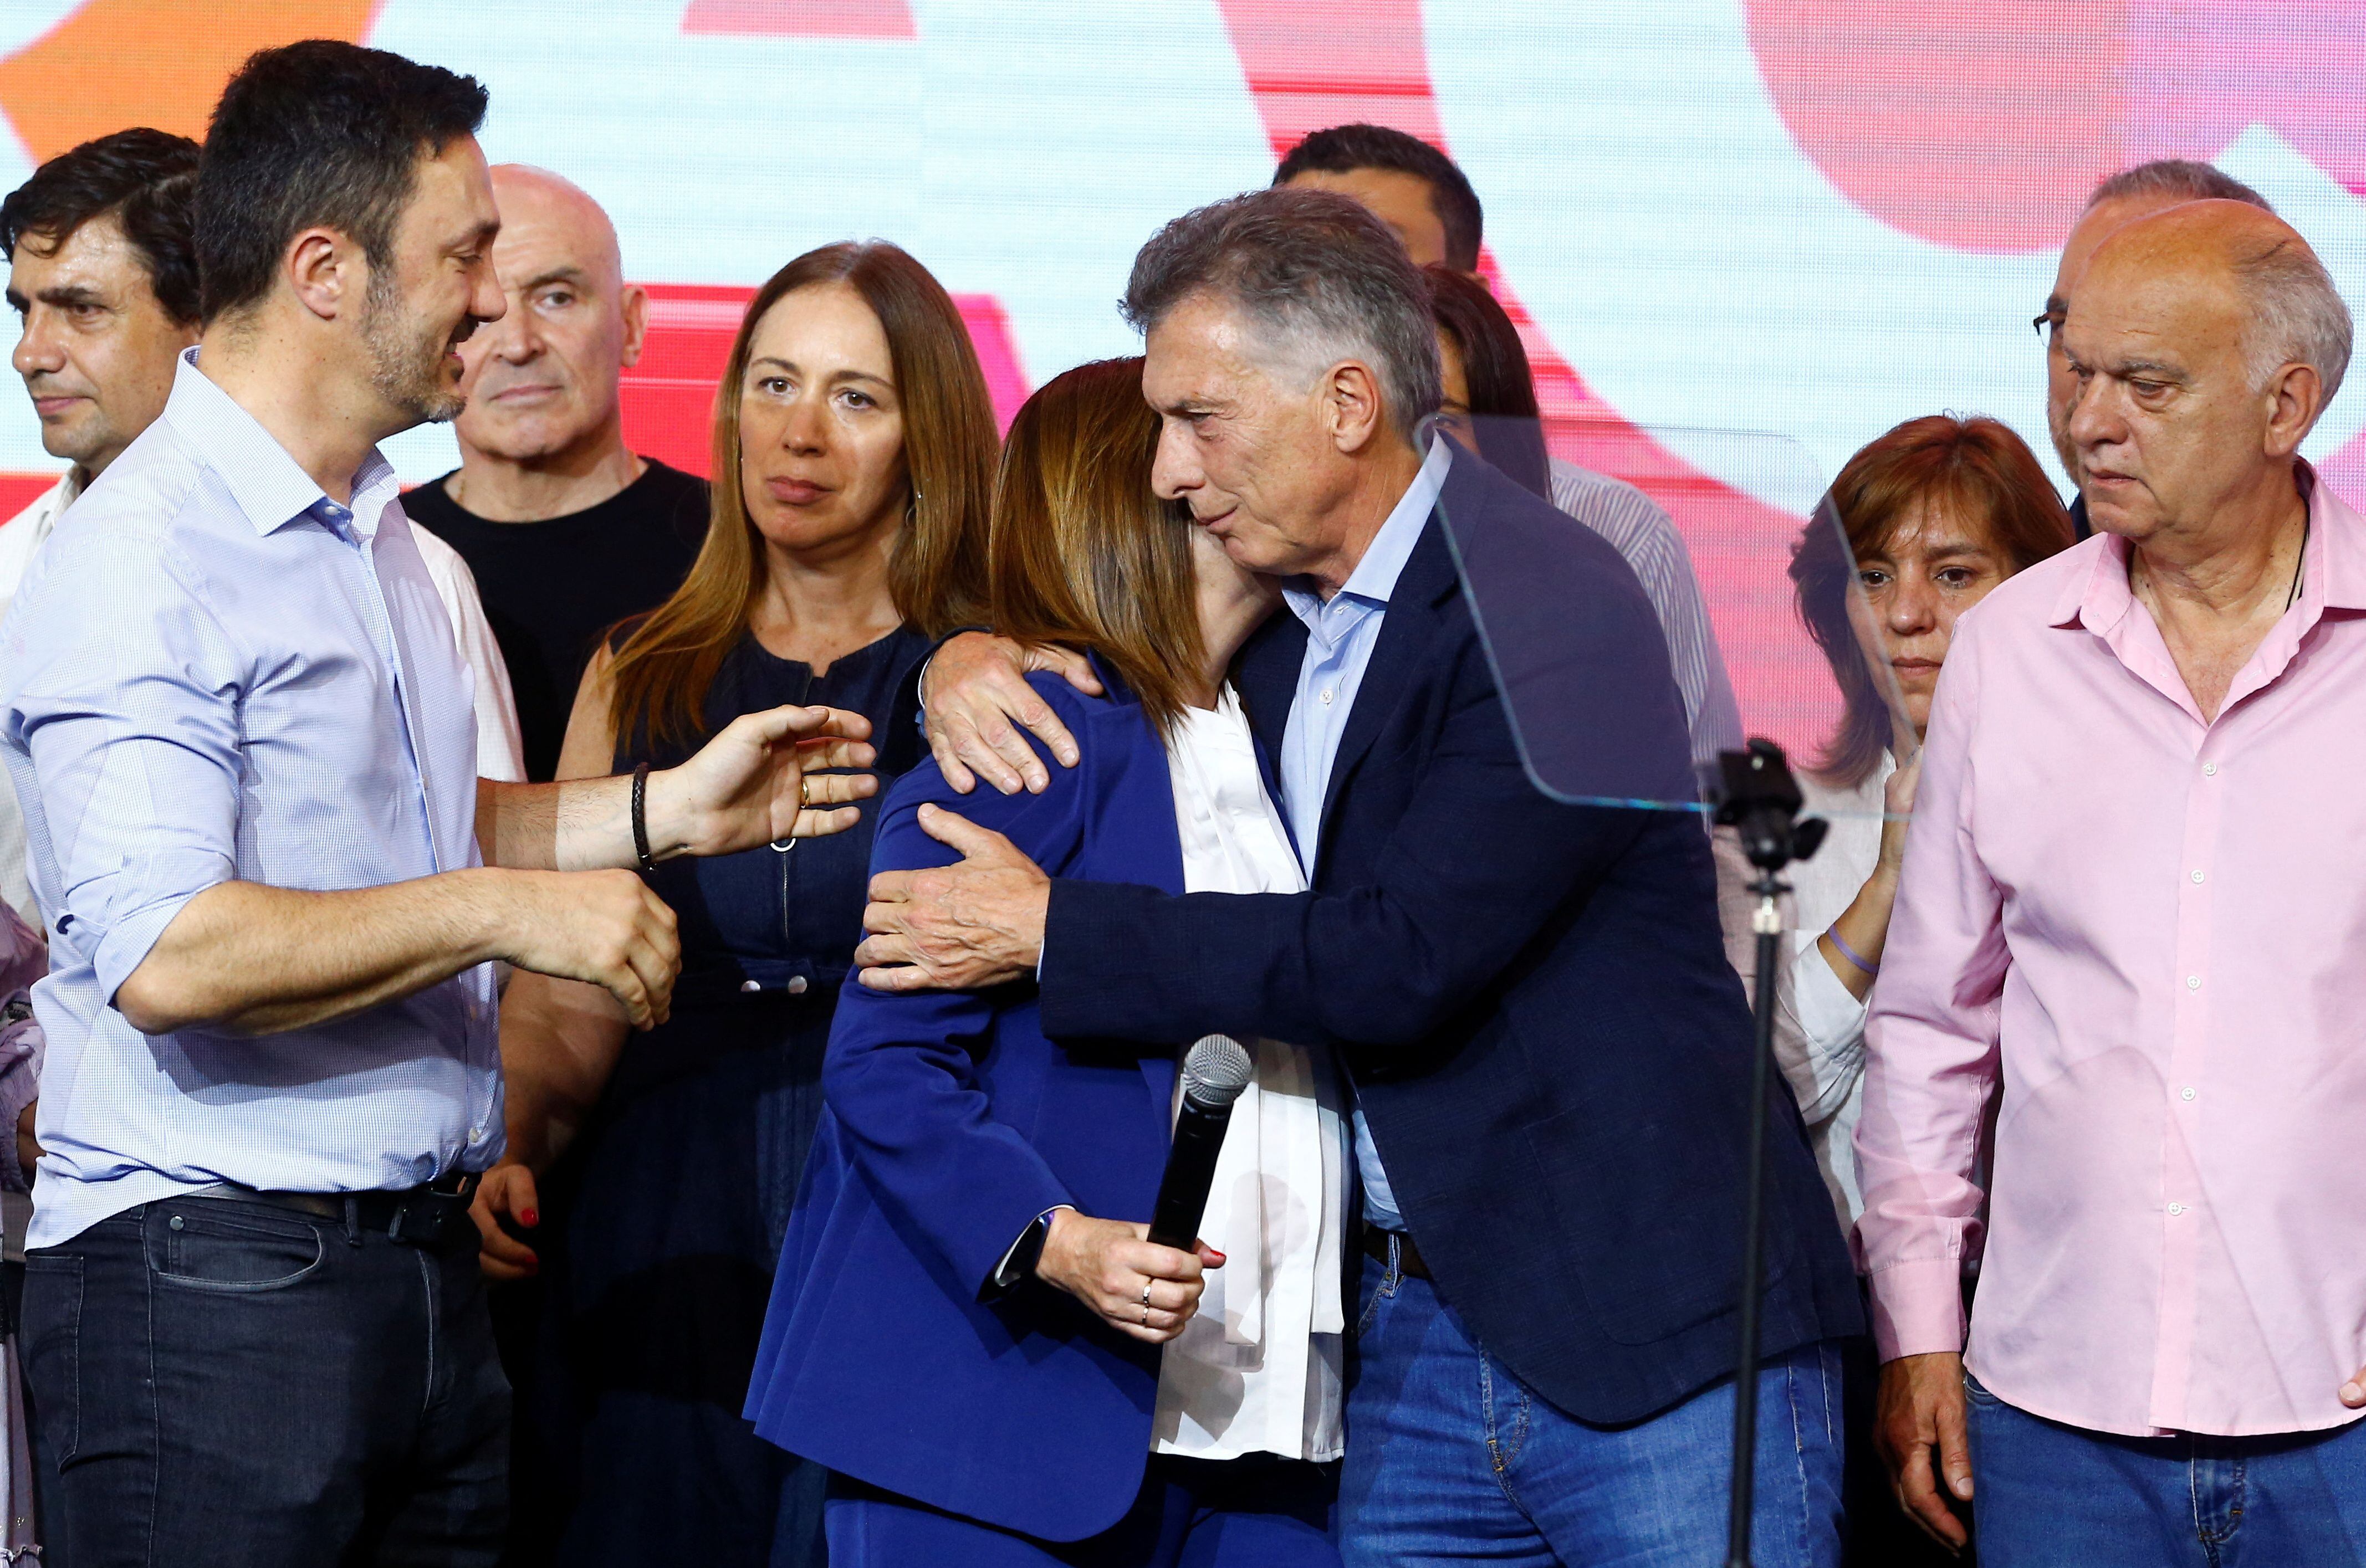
column 214, row 672
column 1341, row 632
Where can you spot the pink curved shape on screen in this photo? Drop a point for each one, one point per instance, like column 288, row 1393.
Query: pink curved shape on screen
column 1923, row 114
column 803, row 18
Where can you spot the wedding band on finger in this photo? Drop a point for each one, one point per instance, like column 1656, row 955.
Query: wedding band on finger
column 1146, row 1317
column 1146, row 1292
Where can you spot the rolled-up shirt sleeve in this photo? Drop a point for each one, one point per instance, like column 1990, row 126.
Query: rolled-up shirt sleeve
column 126, row 699
column 1932, row 1044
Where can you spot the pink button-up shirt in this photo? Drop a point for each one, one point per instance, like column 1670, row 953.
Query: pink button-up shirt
column 2150, row 932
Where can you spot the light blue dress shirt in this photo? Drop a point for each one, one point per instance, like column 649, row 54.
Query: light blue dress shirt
column 214, row 673
column 1341, row 632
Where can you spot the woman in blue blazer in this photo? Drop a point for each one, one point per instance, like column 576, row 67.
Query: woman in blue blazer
column 968, row 1326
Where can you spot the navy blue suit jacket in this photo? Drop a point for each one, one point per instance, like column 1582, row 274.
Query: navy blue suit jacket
column 1533, row 999
column 950, row 1123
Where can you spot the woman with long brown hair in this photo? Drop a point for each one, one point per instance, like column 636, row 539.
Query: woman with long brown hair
column 854, row 451
column 970, row 1328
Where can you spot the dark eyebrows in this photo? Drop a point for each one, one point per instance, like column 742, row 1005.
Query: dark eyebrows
column 775, row 360
column 1958, row 547
column 64, row 293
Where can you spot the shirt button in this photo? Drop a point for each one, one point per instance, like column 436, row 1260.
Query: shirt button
column 2186, row 1093
column 476, row 1135
column 2193, row 983
column 1326, row 697
column 2176, row 1208
column 2197, row 876
column 2209, row 770
column 797, row 985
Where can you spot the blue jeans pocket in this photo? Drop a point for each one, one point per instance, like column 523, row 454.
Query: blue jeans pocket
column 1975, row 1394
column 1379, row 1285
column 50, row 1335
column 229, row 1247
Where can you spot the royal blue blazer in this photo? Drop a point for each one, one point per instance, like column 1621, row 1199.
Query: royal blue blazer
column 950, row 1123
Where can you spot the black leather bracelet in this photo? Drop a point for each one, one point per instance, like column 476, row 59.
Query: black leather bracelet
column 641, row 819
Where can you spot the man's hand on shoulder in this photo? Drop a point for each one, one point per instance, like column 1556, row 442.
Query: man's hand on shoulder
column 976, row 922
column 976, row 700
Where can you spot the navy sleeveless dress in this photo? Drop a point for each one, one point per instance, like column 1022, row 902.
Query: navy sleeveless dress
column 663, row 1222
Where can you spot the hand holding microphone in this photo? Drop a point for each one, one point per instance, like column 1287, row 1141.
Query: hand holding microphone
column 1145, row 1279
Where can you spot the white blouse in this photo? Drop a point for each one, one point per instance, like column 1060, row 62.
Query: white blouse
column 1258, row 1369
column 1818, row 1027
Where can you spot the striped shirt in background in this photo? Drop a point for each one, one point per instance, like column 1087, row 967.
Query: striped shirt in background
column 1635, row 526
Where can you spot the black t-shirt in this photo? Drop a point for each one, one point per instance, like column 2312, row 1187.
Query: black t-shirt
column 551, row 587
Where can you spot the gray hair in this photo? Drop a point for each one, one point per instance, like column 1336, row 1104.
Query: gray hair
column 2297, row 315
column 2179, row 179
column 1322, row 277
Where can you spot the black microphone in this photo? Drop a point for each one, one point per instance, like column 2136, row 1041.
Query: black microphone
column 1216, row 1070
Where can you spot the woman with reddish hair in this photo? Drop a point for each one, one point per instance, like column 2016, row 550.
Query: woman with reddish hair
column 1927, row 518
column 1934, row 513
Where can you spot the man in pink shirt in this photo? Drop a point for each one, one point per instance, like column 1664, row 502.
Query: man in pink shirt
column 2160, row 998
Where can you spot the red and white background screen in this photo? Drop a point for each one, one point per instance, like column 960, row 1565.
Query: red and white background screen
column 1806, row 218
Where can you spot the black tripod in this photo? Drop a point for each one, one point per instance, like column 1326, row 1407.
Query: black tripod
column 1758, row 796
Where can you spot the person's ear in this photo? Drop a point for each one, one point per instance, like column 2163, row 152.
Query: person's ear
column 2294, row 394
column 635, row 305
column 325, row 270
column 1351, row 394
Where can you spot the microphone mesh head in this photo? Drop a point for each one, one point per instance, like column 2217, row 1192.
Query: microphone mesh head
column 1215, row 1070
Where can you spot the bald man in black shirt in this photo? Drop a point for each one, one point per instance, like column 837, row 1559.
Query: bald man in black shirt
column 566, row 529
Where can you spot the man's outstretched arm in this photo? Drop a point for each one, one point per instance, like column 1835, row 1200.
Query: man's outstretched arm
column 756, row 782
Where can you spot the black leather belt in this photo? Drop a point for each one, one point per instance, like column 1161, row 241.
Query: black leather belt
column 433, row 1217
column 1376, row 1244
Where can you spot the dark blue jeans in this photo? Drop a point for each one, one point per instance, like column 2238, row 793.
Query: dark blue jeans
column 2048, row 1495
column 1452, row 1458
column 223, row 1382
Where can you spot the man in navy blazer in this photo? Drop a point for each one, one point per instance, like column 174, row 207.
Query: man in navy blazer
column 1549, row 1052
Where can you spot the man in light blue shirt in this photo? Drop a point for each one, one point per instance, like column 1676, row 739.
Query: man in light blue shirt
column 233, row 709
column 1341, row 632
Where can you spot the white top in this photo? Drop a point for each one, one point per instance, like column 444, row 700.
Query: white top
column 1258, row 1370
column 20, row 541
column 501, row 751
column 1818, row 1027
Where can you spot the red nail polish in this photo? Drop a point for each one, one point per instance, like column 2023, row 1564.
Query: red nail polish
column 530, row 1217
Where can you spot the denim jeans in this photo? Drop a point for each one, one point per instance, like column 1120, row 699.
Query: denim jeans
column 1452, row 1458
column 2049, row 1496
column 223, row 1382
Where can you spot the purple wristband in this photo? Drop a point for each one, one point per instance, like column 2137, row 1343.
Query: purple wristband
column 1832, row 934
